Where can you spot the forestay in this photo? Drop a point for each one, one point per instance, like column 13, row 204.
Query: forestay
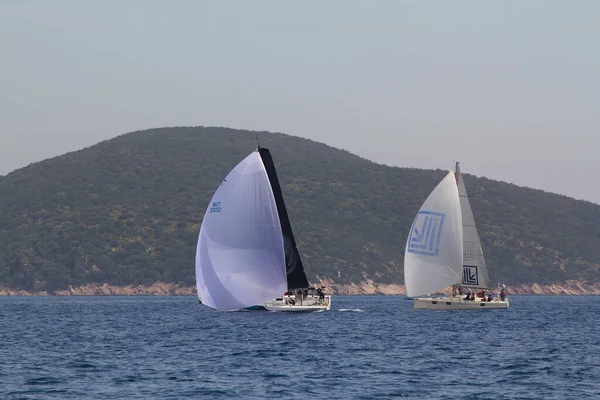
column 475, row 273
column 434, row 251
column 240, row 256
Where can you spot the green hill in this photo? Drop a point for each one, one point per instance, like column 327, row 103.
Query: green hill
column 127, row 211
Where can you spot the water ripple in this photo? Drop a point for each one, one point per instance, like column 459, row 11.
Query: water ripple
column 368, row 347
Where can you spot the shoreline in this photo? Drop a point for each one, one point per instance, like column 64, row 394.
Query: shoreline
column 367, row 287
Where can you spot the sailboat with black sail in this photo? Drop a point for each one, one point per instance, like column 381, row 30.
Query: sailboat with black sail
column 246, row 256
column 444, row 249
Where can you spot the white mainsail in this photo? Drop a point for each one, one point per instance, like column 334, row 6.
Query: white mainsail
column 475, row 273
column 434, row 252
column 240, row 258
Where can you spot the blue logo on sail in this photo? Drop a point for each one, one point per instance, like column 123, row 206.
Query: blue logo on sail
column 470, row 276
column 215, row 207
column 426, row 233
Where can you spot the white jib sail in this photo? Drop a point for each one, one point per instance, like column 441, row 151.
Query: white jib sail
column 475, row 273
column 240, row 260
column 434, row 251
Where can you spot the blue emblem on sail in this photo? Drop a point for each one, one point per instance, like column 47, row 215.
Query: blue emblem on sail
column 426, row 233
column 470, row 276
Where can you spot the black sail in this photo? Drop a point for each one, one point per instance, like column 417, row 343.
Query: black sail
column 296, row 278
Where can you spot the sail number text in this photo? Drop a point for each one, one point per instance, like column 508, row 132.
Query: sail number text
column 215, row 207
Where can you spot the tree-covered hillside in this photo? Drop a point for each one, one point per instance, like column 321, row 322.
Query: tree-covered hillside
column 127, row 210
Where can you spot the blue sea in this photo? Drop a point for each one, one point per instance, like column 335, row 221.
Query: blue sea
column 366, row 347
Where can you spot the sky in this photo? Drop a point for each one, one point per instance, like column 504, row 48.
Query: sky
column 509, row 88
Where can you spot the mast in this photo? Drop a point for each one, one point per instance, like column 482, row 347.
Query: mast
column 296, row 278
column 456, row 168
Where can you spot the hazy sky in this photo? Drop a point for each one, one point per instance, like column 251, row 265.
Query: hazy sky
column 510, row 88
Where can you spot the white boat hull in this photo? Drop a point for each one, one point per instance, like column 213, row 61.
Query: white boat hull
column 311, row 303
column 458, row 303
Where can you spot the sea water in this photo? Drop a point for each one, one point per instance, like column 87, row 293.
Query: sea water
column 366, row 347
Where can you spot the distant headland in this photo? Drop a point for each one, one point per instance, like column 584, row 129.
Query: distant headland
column 126, row 212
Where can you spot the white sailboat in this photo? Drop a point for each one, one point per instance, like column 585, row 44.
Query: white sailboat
column 443, row 249
column 246, row 255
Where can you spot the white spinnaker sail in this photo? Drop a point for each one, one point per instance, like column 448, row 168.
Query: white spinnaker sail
column 475, row 273
column 240, row 260
column 434, row 251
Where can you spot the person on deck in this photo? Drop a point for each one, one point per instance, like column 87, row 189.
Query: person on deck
column 321, row 294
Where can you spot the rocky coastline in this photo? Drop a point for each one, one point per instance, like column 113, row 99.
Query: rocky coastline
column 367, row 287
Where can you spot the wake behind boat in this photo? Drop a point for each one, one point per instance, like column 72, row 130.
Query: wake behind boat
column 443, row 249
column 246, row 257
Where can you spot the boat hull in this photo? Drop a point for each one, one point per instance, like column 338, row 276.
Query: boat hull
column 458, row 303
column 312, row 303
